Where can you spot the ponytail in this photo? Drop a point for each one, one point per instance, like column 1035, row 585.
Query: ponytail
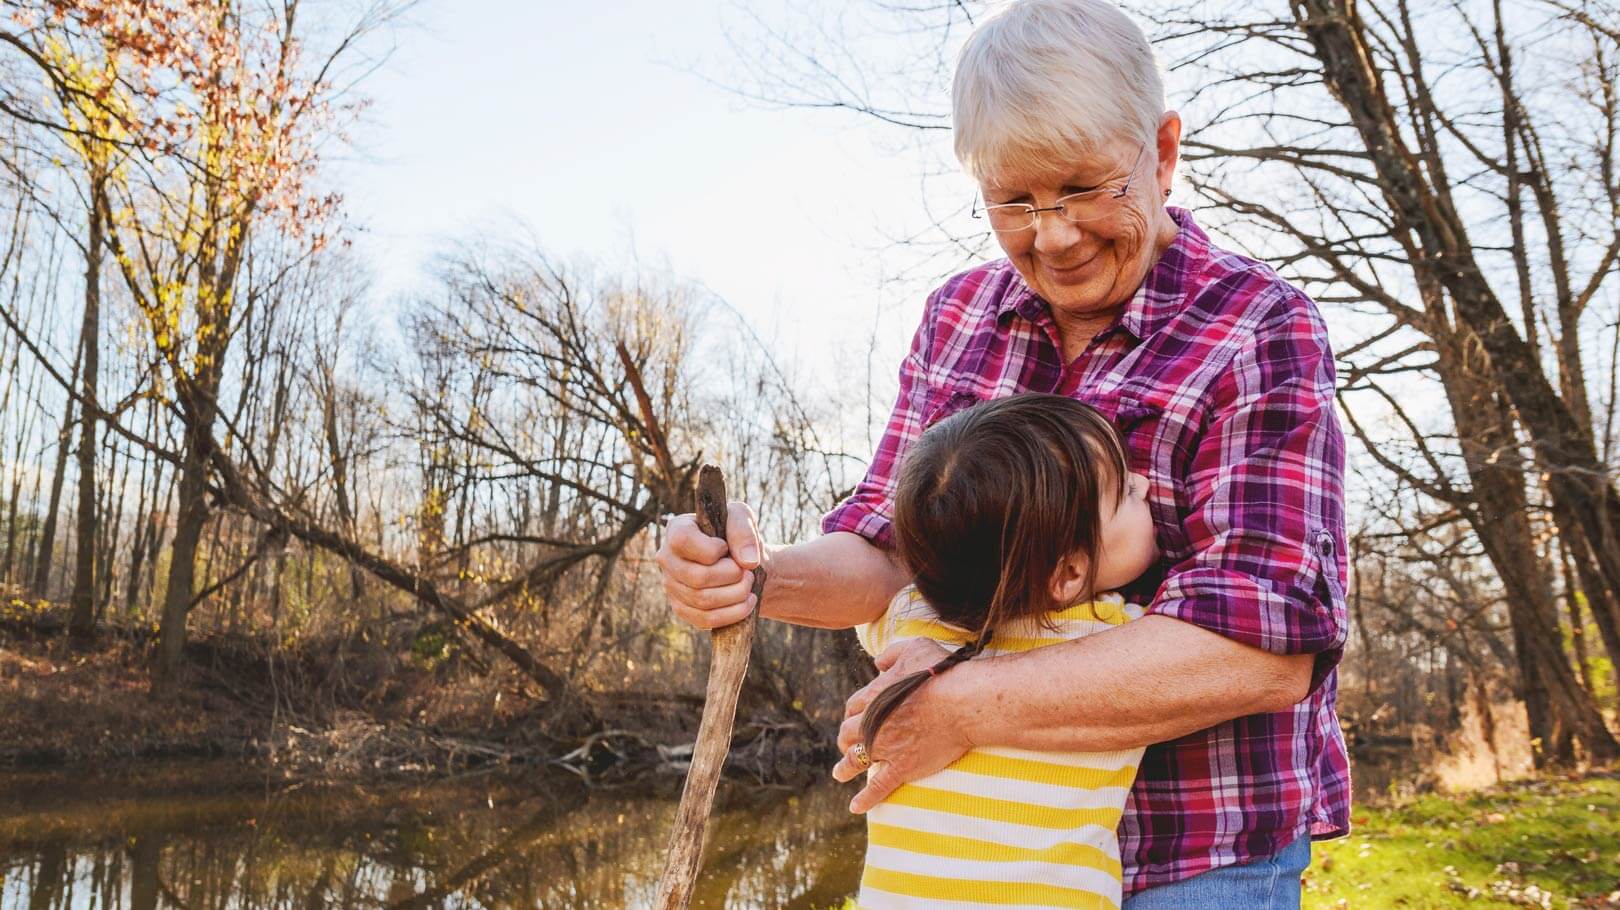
column 889, row 699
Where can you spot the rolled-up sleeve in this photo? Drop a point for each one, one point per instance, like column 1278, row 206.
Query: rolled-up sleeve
column 1266, row 494
column 869, row 510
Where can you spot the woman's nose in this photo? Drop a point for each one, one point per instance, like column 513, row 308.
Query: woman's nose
column 1054, row 233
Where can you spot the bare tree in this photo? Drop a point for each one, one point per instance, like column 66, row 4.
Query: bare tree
column 1416, row 169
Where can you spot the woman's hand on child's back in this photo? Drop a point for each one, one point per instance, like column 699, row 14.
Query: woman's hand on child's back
column 709, row 581
column 919, row 738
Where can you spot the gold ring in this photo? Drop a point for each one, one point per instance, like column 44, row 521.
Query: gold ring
column 859, row 753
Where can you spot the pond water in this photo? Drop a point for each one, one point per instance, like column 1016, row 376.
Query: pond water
column 195, row 838
column 204, row 836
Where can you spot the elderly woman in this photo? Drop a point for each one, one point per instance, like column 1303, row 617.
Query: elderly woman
column 1219, row 377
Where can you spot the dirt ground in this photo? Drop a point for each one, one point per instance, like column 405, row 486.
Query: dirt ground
column 64, row 705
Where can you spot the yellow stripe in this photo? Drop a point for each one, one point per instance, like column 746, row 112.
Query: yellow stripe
column 1109, row 614
column 938, row 631
column 951, row 846
column 983, row 892
column 1002, row 810
column 1044, row 772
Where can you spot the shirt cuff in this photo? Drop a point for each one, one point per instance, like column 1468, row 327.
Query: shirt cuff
column 1282, row 619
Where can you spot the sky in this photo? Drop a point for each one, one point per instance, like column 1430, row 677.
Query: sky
column 600, row 130
column 598, row 127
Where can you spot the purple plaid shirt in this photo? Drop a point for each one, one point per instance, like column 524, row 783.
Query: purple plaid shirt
column 1219, row 376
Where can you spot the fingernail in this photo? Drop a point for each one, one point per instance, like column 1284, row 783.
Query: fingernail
column 749, row 554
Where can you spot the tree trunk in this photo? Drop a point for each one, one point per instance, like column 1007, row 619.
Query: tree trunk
column 45, row 549
column 25, row 431
column 339, row 461
column 1558, row 705
column 192, row 515
column 1445, row 254
column 150, row 515
column 1577, row 622
column 112, row 526
column 1603, row 602
column 82, row 620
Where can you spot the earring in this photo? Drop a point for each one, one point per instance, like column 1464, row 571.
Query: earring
column 1167, row 193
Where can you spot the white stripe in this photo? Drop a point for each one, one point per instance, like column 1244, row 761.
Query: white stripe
column 876, row 899
column 1027, row 792
column 997, row 832
column 1108, row 761
column 1079, row 878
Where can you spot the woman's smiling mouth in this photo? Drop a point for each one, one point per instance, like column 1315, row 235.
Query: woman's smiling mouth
column 1068, row 274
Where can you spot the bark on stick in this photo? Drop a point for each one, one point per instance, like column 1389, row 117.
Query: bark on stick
column 731, row 646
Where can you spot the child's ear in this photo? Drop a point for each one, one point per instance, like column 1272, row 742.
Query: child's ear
column 1069, row 579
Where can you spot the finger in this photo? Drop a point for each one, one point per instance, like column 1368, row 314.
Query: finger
column 863, row 697
column 714, row 619
column 724, row 571
column 847, row 769
column 707, row 598
column 891, row 655
column 879, row 784
column 849, row 732
column 686, row 541
column 742, row 540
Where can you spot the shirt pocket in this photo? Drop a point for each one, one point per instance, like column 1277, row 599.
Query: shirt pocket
column 941, row 403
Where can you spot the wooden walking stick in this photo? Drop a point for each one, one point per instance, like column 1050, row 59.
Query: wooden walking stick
column 730, row 662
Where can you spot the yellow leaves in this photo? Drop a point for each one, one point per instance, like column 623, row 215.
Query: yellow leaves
column 94, row 104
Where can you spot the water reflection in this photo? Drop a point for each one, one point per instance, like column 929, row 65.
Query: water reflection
column 186, row 841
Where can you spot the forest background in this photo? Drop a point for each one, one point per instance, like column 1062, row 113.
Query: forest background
column 352, row 480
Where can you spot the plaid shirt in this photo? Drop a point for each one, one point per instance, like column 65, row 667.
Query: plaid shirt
column 1219, row 376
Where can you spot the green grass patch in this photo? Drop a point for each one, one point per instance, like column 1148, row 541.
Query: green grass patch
column 1551, row 843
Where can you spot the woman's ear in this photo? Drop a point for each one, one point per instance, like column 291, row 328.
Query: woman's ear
column 1069, row 580
column 1168, row 143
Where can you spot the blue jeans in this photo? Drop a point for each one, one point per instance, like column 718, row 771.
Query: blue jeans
column 1271, row 883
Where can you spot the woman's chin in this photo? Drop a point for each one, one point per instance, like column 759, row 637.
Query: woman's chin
column 1080, row 289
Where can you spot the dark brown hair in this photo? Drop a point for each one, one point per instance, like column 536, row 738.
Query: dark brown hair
column 990, row 500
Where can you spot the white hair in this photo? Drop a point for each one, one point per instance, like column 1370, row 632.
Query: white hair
column 1044, row 82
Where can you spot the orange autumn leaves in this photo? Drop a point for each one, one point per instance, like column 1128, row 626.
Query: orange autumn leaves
column 206, row 118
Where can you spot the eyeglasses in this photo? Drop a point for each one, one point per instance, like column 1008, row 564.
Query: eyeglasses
column 1076, row 208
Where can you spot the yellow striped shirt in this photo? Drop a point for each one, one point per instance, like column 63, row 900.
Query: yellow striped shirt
column 1003, row 828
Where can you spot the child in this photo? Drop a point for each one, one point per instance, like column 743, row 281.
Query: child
column 1010, row 516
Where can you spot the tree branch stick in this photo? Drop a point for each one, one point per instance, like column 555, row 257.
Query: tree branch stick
column 730, row 662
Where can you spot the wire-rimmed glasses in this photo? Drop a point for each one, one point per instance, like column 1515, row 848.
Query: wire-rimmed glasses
column 1076, row 208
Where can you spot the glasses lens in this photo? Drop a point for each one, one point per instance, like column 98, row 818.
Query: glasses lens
column 1009, row 217
column 1090, row 206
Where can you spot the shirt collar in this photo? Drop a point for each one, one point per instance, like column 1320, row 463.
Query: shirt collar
column 1160, row 296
